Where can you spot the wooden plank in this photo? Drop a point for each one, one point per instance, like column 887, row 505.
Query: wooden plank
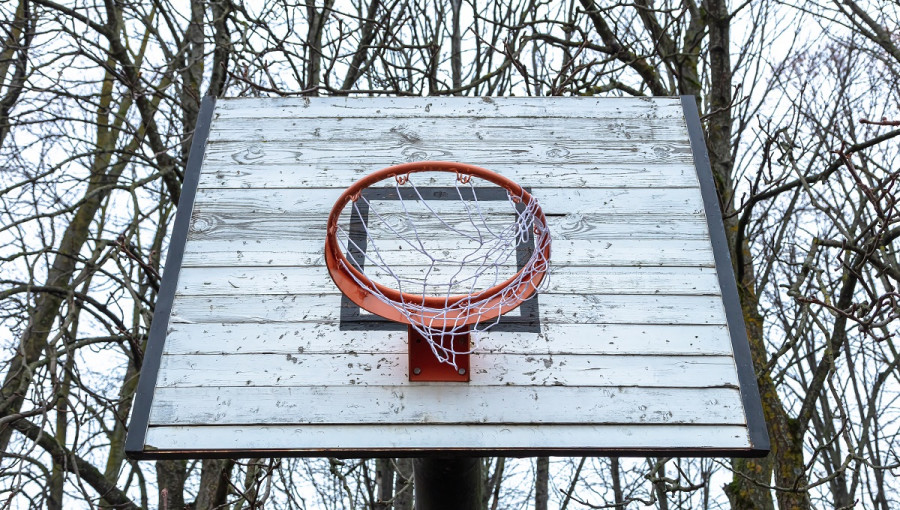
column 597, row 174
column 390, row 368
column 253, row 405
column 316, row 438
column 396, row 107
column 563, row 279
column 553, row 201
column 282, row 227
column 554, row 308
column 250, row 250
column 486, row 130
column 326, row 337
column 523, row 152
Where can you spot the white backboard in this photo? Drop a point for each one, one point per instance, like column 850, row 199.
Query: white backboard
column 636, row 347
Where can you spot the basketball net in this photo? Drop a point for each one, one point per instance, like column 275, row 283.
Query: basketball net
column 475, row 254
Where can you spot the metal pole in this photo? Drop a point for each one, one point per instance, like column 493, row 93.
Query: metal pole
column 449, row 483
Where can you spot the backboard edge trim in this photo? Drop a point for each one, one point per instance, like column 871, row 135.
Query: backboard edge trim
column 450, row 452
column 756, row 425
column 140, row 415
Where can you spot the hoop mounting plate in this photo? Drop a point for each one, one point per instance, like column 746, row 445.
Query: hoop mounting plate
column 424, row 365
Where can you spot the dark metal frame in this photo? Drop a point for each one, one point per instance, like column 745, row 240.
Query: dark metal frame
column 526, row 318
column 756, row 423
column 140, row 414
column 137, row 431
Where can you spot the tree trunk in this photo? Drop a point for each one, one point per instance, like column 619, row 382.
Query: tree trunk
column 787, row 448
column 384, row 481
column 117, row 436
column 214, row 477
column 369, row 31
column 33, row 341
column 15, row 49
column 491, row 492
column 403, row 486
column 170, row 477
column 251, row 488
column 618, row 495
column 659, row 487
column 191, row 76
column 316, row 22
column 221, row 10
column 456, row 46
column 57, row 477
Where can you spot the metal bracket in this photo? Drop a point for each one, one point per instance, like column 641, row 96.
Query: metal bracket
column 424, row 366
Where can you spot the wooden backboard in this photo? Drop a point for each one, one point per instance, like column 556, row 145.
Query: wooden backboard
column 636, row 347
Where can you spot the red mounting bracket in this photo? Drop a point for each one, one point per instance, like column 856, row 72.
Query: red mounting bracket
column 424, row 366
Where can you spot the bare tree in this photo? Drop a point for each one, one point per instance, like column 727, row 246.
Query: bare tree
column 98, row 102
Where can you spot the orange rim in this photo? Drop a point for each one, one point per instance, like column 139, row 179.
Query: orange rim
column 345, row 276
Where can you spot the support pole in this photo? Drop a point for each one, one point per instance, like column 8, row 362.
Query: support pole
column 449, row 483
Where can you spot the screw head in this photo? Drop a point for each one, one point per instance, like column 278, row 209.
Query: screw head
column 462, row 371
column 417, row 370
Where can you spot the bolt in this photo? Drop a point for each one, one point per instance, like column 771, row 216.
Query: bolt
column 462, row 371
column 417, row 370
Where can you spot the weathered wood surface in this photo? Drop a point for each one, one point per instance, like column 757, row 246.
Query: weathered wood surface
column 554, row 308
column 633, row 349
column 390, row 369
column 614, row 252
column 198, row 281
column 487, row 130
column 296, row 338
column 382, row 108
column 253, row 228
column 516, row 151
column 553, row 201
column 565, row 174
column 456, row 403
column 316, row 439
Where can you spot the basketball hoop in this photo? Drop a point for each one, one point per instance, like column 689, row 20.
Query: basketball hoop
column 436, row 312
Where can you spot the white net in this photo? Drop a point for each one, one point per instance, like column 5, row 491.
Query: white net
column 446, row 249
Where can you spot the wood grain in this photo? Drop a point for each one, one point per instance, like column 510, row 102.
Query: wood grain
column 554, row 201
column 414, row 403
column 198, row 281
column 398, row 107
column 483, row 130
column 297, row 338
column 319, row 439
column 390, row 368
column 395, row 152
column 554, row 308
column 253, row 229
column 311, row 174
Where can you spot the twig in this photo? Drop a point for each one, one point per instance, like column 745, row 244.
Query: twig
column 883, row 122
